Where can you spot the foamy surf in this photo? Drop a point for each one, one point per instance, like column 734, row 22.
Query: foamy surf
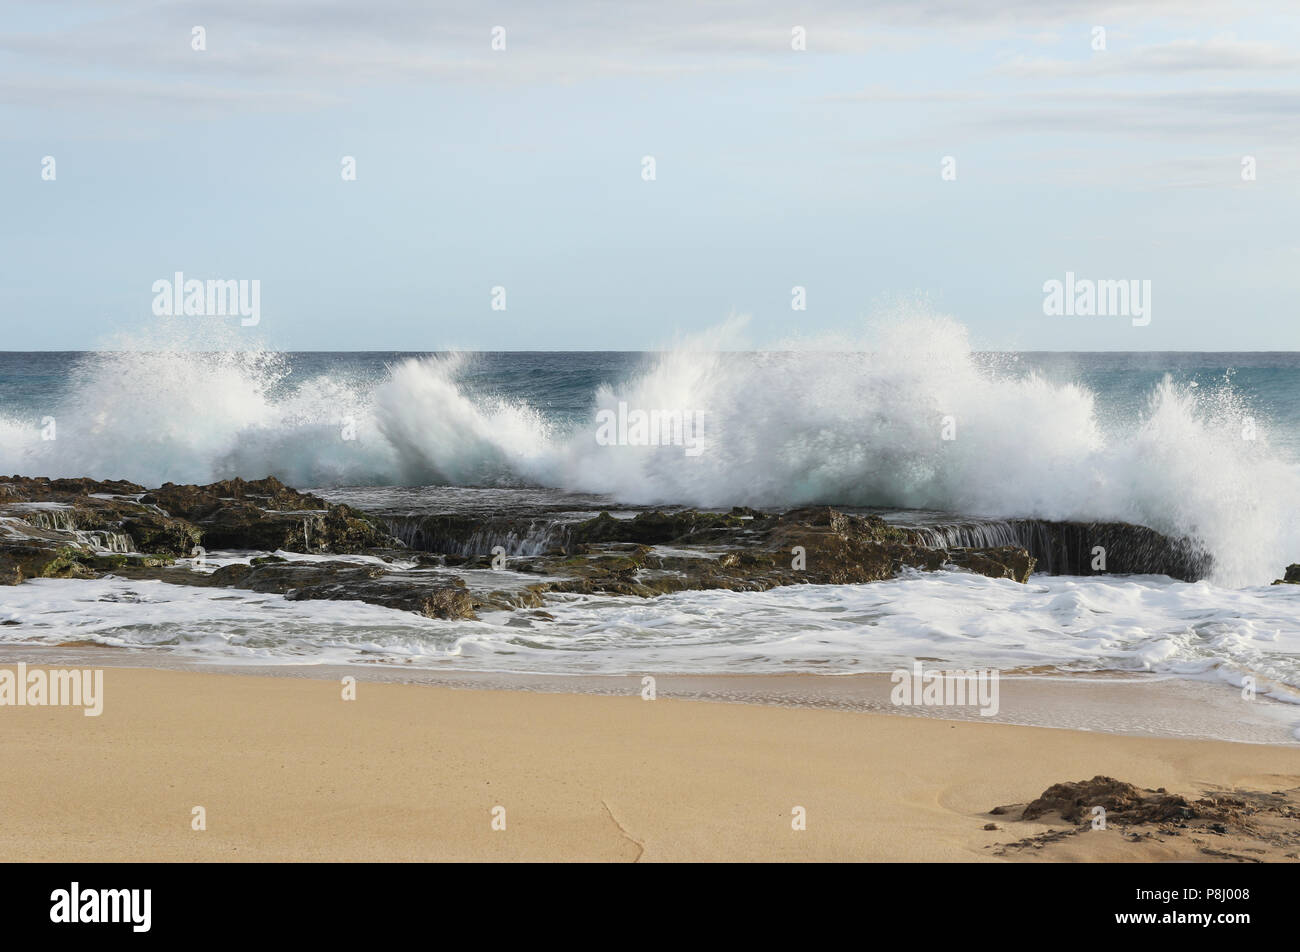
column 1068, row 626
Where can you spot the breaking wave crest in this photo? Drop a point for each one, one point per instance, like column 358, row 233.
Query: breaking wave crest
column 863, row 425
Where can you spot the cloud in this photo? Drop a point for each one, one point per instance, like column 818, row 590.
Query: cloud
column 185, row 96
column 1242, row 115
column 1184, row 56
column 885, row 94
column 299, row 55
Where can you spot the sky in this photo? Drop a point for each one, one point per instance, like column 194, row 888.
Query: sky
column 523, row 168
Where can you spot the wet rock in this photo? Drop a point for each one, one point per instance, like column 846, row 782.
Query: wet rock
column 70, row 506
column 1003, row 562
column 349, row 531
column 810, row 546
column 431, row 596
column 19, row 562
column 1292, row 576
column 117, row 561
column 153, row 532
column 652, row 553
column 265, row 514
column 40, row 488
column 660, row 528
column 449, row 601
column 869, row 528
column 233, row 575
column 197, row 503
column 81, row 527
column 462, row 536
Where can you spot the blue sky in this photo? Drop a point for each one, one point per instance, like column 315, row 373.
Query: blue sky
column 522, row 168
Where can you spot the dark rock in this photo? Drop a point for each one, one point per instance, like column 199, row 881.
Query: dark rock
column 659, row 528
column 22, row 561
column 1003, row 562
column 116, row 561
column 1122, row 802
column 434, row 597
column 1253, row 825
column 153, row 532
column 1072, row 548
column 197, row 503
column 652, row 553
column 265, row 514
column 1292, row 576
column 40, row 488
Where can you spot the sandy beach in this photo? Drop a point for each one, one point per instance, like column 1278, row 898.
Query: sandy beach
column 286, row 769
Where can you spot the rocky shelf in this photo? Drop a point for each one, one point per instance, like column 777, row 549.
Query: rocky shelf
column 264, row 536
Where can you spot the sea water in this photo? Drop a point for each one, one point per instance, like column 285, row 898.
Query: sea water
column 1201, row 445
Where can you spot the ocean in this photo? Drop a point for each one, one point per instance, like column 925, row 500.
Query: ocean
column 1198, row 445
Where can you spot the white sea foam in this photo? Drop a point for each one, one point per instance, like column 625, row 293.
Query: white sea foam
column 1133, row 624
column 859, row 426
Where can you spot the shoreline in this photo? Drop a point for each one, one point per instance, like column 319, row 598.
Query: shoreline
column 1129, row 705
column 285, row 769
